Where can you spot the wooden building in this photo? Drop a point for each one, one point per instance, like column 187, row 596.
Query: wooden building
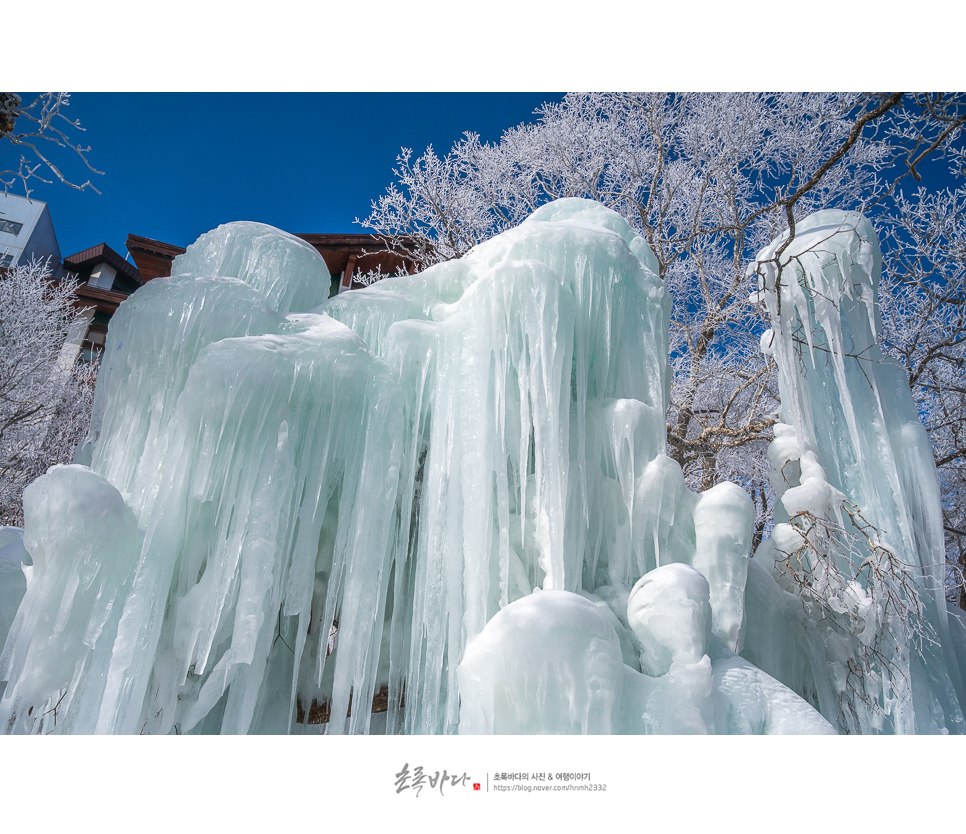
column 152, row 257
column 106, row 279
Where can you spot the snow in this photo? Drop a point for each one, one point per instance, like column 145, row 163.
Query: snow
column 450, row 490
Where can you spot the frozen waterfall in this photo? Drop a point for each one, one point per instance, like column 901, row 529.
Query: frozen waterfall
column 442, row 504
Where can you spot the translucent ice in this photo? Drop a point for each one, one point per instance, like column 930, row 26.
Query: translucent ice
column 84, row 541
column 286, row 271
column 551, row 663
column 445, row 497
column 858, row 550
column 548, row 663
column 13, row 580
column 722, row 544
column 669, row 610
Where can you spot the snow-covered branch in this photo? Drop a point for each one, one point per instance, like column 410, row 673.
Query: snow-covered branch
column 34, row 130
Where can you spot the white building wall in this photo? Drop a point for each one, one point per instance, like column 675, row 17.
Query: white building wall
column 43, row 244
column 102, row 276
column 35, row 239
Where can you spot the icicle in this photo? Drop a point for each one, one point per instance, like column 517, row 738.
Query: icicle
column 861, row 544
column 433, row 497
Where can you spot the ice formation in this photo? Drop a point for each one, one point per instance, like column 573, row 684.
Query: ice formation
column 440, row 504
column 848, row 591
column 14, row 566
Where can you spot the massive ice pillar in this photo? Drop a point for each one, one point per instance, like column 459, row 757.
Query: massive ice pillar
column 859, row 543
column 300, row 512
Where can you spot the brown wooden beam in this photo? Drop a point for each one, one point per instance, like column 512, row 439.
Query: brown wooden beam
column 347, row 275
column 319, row 713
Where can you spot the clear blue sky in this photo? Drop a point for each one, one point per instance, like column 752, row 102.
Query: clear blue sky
column 178, row 164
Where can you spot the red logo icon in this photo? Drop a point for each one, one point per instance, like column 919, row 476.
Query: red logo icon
column 476, row 786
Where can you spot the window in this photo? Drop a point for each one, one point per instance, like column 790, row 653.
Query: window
column 96, row 336
column 5, row 260
column 10, row 227
column 102, row 277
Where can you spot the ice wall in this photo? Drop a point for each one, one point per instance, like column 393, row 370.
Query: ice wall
column 14, row 561
column 856, row 591
column 445, row 496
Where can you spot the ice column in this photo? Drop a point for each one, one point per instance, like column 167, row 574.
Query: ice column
column 860, row 535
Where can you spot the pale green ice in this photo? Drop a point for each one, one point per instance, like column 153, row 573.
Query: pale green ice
column 446, row 496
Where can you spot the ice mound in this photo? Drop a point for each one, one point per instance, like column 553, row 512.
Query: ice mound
column 67, row 625
column 549, row 663
column 443, row 501
column 288, row 273
column 669, row 611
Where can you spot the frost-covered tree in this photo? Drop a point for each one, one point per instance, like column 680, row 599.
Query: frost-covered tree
column 924, row 312
column 45, row 390
column 707, row 179
column 31, row 131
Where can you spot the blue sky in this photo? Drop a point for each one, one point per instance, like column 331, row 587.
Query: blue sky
column 178, row 164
